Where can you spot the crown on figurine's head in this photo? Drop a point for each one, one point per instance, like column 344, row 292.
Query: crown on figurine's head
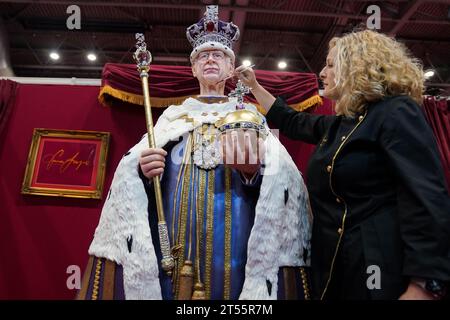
column 211, row 33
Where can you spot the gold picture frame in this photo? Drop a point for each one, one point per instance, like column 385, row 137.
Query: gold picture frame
column 66, row 163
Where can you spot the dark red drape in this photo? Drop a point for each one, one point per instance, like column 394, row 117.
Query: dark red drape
column 122, row 81
column 437, row 113
column 8, row 90
column 164, row 81
column 40, row 237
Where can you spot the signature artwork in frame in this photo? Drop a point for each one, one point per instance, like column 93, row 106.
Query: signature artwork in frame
column 66, row 163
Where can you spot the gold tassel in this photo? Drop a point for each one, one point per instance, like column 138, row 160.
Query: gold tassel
column 136, row 98
column 186, row 281
column 301, row 106
column 199, row 292
column 308, row 103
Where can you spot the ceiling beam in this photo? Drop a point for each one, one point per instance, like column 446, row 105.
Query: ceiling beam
column 224, row 10
column 17, row 13
column 397, row 1
column 278, row 32
column 441, row 85
column 231, row 7
column 58, row 67
column 157, row 56
column 161, row 56
column 155, row 27
column 304, row 59
column 407, row 13
column 322, row 48
column 239, row 19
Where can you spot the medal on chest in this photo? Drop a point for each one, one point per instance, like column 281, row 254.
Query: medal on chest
column 206, row 152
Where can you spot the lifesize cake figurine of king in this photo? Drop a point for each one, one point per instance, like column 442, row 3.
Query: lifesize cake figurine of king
column 237, row 229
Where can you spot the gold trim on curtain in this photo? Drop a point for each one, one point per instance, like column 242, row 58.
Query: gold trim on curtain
column 137, row 99
column 164, row 102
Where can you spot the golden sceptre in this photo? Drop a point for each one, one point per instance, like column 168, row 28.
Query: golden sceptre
column 143, row 59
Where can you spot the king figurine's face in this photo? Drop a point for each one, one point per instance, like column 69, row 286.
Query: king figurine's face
column 212, row 66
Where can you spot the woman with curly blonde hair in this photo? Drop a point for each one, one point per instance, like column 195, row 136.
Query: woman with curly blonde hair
column 370, row 66
column 377, row 189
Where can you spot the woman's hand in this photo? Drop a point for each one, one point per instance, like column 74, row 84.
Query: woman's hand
column 152, row 162
column 247, row 76
column 416, row 292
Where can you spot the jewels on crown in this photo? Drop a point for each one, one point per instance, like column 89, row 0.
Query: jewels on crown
column 211, row 29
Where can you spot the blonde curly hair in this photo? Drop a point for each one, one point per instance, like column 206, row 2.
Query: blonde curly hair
column 370, row 66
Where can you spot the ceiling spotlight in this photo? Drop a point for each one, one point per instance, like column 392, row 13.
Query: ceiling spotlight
column 246, row 63
column 54, row 55
column 91, row 57
column 428, row 74
column 282, row 65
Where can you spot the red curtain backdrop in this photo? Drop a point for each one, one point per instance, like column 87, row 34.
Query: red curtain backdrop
column 437, row 113
column 8, row 90
column 40, row 237
column 173, row 84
